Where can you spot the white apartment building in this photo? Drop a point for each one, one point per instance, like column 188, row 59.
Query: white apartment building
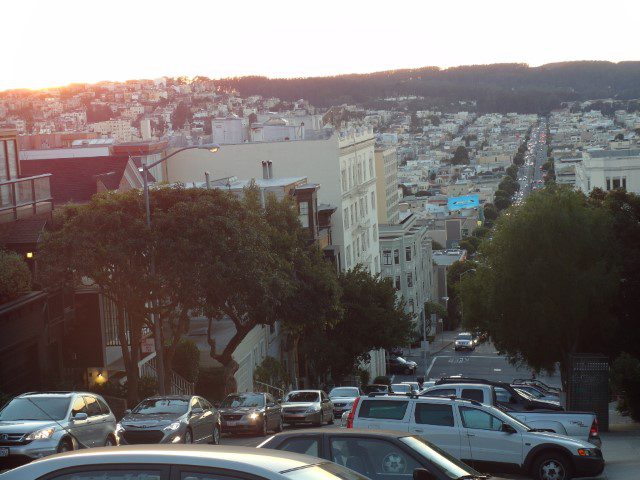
column 119, row 130
column 387, row 185
column 608, row 170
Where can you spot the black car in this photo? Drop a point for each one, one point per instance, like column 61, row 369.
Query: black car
column 377, row 454
column 250, row 413
column 402, row 366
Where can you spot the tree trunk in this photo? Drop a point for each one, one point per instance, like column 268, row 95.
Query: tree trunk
column 133, row 380
column 230, row 384
column 130, row 364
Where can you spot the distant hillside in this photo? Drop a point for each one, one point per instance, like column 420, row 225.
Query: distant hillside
column 495, row 88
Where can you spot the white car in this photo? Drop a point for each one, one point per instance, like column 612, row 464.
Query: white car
column 343, row 398
column 480, row 435
column 165, row 462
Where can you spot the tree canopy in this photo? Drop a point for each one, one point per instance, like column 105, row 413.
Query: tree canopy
column 460, row 156
column 15, row 277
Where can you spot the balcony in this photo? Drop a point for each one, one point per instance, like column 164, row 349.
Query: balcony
column 25, row 197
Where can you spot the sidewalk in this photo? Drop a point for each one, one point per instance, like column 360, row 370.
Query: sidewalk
column 621, row 447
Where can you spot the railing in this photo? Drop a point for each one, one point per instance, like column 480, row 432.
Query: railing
column 148, row 367
column 265, row 387
column 24, row 197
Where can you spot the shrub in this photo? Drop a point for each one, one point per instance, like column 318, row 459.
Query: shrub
column 186, row 361
column 210, row 383
column 364, row 376
column 625, row 380
column 15, row 277
column 272, row 372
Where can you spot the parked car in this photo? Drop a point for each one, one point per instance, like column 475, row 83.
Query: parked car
column 165, row 462
column 343, row 398
column 377, row 454
column 170, row 419
column 376, row 388
column 250, row 412
column 480, row 435
column 307, row 406
column 402, row 388
column 37, row 424
column 580, row 425
column 543, row 387
column 401, row 366
column 464, row 341
column 534, row 392
column 414, row 385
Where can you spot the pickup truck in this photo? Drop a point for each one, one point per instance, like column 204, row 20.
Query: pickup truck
column 480, row 435
column 580, row 425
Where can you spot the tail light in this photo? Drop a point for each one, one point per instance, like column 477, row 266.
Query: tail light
column 593, row 432
column 352, row 413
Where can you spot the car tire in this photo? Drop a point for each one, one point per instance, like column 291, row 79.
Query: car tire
column 110, row 442
column 188, row 436
column 552, row 466
column 215, row 436
column 65, row 445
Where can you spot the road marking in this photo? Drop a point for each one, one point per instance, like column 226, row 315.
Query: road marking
column 426, row 374
column 497, row 369
column 458, row 359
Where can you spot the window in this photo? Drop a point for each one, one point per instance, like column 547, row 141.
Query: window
column 357, row 250
column 345, row 214
column 502, row 396
column 373, row 200
column 397, row 283
column 303, row 210
column 441, row 392
column 473, row 394
column 305, row 445
column 616, row 183
column 386, row 409
column 93, row 408
column 344, row 180
column 434, row 414
column 111, row 473
column 409, row 279
column 3, row 162
column 78, row 406
column 396, row 257
column 353, row 215
column 477, row 419
column 375, row 232
column 407, row 254
column 361, row 207
column 104, row 407
column 377, row 459
column 371, row 168
column 608, row 184
column 386, row 257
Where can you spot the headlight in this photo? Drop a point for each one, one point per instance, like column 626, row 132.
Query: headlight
column 41, row 434
column 587, row 452
column 172, row 427
column 313, row 409
column 119, row 428
column 254, row 416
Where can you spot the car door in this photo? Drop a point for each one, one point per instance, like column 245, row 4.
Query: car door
column 488, row 443
column 471, row 393
column 376, row 458
column 79, row 428
column 435, row 422
column 196, row 419
column 208, row 419
column 272, row 412
column 96, row 423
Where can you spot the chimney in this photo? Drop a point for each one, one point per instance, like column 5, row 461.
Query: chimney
column 267, row 171
column 270, row 168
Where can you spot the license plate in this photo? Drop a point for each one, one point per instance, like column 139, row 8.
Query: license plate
column 231, row 424
column 4, row 452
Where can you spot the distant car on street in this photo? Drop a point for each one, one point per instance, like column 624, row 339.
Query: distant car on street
column 343, row 398
column 307, row 406
column 250, row 412
column 170, row 419
column 401, row 366
column 464, row 341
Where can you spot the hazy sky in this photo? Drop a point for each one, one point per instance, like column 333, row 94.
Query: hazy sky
column 56, row 42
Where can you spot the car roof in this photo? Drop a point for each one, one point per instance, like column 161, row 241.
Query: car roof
column 171, row 397
column 61, row 394
column 302, row 391
column 244, row 459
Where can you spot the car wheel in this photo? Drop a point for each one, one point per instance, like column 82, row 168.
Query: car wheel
column 65, row 445
column 188, row 436
column 551, row 466
column 279, row 427
column 110, row 442
column 215, row 436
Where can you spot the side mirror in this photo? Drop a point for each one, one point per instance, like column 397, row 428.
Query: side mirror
column 80, row 416
column 506, row 428
column 423, row 474
column 217, row 404
column 127, row 411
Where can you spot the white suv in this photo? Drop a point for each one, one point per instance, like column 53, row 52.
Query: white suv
column 480, row 435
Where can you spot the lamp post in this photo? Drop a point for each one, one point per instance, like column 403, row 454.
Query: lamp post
column 157, row 327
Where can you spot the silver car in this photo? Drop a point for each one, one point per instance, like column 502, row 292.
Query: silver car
column 307, row 406
column 170, row 419
column 343, row 398
column 34, row 425
column 165, row 462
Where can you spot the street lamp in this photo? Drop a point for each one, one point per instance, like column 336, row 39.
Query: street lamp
column 157, row 328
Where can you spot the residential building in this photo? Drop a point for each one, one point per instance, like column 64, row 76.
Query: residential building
column 609, row 169
column 120, row 130
column 386, row 167
column 407, row 260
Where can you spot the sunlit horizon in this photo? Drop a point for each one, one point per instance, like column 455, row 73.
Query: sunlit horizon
column 61, row 42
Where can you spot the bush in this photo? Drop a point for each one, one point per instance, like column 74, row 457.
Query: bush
column 15, row 276
column 147, row 387
column 186, row 362
column 382, row 380
column 272, row 372
column 364, row 376
column 625, row 381
column 210, row 383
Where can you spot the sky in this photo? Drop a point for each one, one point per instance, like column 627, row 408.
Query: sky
column 50, row 43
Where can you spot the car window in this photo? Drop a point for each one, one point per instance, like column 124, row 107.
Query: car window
column 385, row 409
column 480, row 420
column 303, row 397
column 205, row 404
column 153, row 406
column 472, row 394
column 441, row 392
column 93, row 408
column 375, row 458
column 37, row 408
column 104, row 407
column 434, row 414
column 305, row 445
column 323, row 471
column 108, row 473
column 502, row 396
column 195, row 403
column 78, row 406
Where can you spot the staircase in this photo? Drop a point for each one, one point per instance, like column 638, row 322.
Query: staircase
column 147, row 367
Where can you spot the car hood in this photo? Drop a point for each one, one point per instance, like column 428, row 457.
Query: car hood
column 563, row 439
column 25, row 426
column 300, row 404
column 343, row 399
column 242, row 410
column 135, row 420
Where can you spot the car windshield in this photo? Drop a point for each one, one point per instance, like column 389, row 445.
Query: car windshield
column 464, row 336
column 344, row 392
column 154, row 406
column 40, row 408
column 233, row 401
column 450, row 466
column 302, row 397
column 323, row 471
column 526, row 392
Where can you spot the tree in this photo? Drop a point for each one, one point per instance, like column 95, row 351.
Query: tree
column 15, row 277
column 460, row 156
column 481, row 232
column 490, row 212
column 186, row 361
column 512, row 171
column 559, row 247
column 181, row 115
column 454, row 274
column 373, row 318
column 502, row 202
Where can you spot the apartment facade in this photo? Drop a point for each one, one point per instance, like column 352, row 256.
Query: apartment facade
column 608, row 170
column 387, row 185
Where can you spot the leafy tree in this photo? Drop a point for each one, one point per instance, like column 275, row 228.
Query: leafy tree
column 481, row 232
column 15, row 277
column 625, row 379
column 502, row 202
column 435, row 120
column 436, row 308
column 509, row 185
column 490, row 212
column 512, row 171
column 272, row 372
column 468, row 246
column 186, row 361
column 460, row 156
column 559, row 246
column 181, row 115
column 455, row 273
